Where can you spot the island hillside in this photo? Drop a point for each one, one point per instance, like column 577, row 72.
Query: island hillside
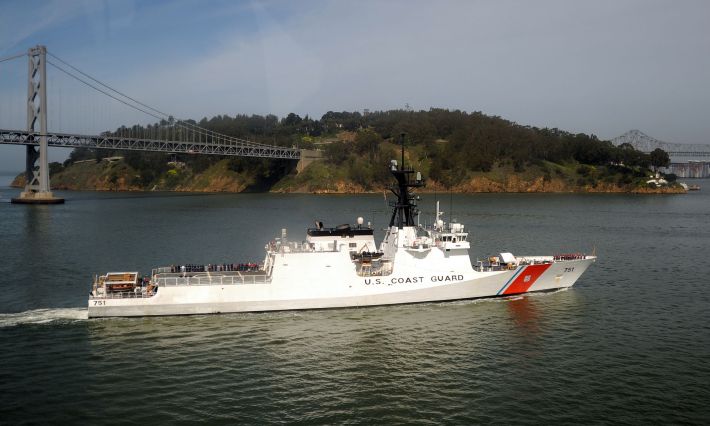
column 455, row 151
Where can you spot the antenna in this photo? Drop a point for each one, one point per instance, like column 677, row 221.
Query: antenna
column 438, row 214
column 405, row 206
column 436, row 200
column 451, row 205
column 401, row 138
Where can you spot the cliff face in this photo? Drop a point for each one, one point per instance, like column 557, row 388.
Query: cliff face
column 217, row 178
column 118, row 176
column 318, row 177
column 513, row 183
column 102, row 176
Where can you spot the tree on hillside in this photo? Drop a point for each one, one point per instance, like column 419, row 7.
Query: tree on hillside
column 630, row 156
column 366, row 143
column 449, row 145
column 659, row 158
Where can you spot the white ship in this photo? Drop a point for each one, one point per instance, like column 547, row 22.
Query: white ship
column 340, row 267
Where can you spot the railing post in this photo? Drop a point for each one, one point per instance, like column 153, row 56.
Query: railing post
column 37, row 189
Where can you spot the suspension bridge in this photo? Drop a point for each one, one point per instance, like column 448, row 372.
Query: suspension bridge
column 171, row 136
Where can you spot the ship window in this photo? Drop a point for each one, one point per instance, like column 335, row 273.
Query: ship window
column 351, row 245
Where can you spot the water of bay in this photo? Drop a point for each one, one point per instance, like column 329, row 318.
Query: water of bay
column 629, row 343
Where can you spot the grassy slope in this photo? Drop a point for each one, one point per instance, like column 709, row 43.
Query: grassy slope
column 104, row 176
column 323, row 177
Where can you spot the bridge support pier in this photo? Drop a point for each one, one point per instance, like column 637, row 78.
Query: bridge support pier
column 37, row 190
column 307, row 157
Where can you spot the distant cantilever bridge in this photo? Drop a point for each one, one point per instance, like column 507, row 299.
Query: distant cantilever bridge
column 687, row 160
column 646, row 143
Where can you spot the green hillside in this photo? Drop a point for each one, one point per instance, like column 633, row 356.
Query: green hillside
column 455, row 150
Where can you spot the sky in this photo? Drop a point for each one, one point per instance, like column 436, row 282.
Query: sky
column 592, row 66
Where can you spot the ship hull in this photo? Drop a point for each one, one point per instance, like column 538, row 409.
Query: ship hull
column 326, row 292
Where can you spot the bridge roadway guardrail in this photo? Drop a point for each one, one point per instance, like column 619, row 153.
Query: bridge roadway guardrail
column 689, row 154
column 220, row 147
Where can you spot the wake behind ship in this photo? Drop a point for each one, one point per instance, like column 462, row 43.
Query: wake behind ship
column 340, row 267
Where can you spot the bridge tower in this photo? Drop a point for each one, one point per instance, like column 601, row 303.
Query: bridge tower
column 37, row 189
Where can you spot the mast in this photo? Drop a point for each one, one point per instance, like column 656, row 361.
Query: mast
column 404, row 209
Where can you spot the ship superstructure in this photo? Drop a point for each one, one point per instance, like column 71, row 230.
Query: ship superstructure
column 341, row 266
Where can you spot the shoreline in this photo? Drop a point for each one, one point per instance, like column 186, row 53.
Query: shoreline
column 322, row 178
column 638, row 191
column 219, row 180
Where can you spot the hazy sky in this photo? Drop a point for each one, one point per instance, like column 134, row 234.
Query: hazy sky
column 595, row 66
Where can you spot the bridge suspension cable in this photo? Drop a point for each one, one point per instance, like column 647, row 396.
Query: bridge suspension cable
column 9, row 58
column 147, row 109
column 107, row 86
column 99, row 90
column 168, row 135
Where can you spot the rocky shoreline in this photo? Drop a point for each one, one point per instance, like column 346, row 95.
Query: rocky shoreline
column 476, row 185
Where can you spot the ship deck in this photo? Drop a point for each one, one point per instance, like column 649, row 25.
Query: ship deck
column 211, row 278
column 494, row 264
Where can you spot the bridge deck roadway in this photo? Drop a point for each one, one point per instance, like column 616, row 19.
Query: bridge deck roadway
column 232, row 148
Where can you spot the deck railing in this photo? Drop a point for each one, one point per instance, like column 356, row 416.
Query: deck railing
column 174, row 280
column 490, row 266
column 123, row 295
column 164, row 280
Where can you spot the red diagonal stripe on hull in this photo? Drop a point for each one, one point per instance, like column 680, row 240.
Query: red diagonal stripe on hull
column 526, row 278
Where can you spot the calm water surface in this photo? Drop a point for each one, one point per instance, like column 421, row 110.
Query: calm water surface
column 628, row 344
